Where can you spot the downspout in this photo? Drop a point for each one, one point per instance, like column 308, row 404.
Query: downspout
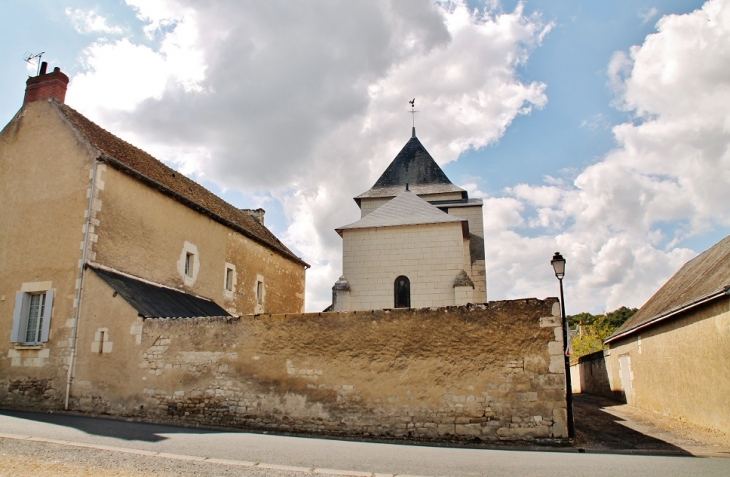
column 77, row 311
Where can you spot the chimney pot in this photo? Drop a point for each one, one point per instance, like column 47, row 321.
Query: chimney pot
column 44, row 86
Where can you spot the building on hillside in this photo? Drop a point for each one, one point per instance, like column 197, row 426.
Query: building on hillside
column 673, row 355
column 96, row 235
column 419, row 241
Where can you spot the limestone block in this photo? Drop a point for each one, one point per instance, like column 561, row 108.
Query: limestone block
column 522, row 433
column 535, row 364
column 555, row 347
column 560, row 423
column 468, row 429
column 557, row 364
column 550, row 321
column 526, row 397
column 445, row 429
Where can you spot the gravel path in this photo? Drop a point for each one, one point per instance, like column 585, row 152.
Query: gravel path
column 21, row 458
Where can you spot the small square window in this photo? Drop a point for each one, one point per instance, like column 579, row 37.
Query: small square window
column 229, row 279
column 189, row 262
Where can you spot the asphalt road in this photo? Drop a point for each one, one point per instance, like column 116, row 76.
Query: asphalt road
column 349, row 455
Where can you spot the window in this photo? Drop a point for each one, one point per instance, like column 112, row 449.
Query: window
column 32, row 317
column 189, row 263
column 402, row 292
column 259, row 291
column 229, row 279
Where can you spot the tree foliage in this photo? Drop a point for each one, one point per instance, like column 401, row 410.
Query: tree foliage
column 596, row 328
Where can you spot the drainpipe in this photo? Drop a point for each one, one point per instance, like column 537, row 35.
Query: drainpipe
column 77, row 311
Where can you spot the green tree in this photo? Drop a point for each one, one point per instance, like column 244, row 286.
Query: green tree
column 596, row 329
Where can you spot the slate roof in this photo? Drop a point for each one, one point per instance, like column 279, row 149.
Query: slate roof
column 704, row 278
column 405, row 209
column 143, row 166
column 156, row 301
column 413, row 166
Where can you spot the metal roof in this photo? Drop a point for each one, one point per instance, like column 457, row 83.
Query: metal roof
column 155, row 301
column 413, row 166
column 405, row 209
column 702, row 279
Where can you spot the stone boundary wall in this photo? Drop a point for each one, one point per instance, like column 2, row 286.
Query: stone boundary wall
column 590, row 375
column 478, row 373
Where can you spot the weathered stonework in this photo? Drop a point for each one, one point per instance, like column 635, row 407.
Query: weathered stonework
column 479, row 373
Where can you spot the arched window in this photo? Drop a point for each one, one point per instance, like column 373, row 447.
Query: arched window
column 402, row 292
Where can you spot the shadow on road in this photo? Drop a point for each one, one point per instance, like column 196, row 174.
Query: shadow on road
column 99, row 426
column 598, row 430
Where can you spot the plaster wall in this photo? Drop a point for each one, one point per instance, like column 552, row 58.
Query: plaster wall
column 44, row 182
column 496, row 375
column 147, row 234
column 680, row 368
column 477, row 270
column 431, row 256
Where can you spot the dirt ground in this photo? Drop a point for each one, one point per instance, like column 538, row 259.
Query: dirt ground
column 602, row 424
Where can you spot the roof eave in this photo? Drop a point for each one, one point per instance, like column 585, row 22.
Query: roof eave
column 195, row 206
column 724, row 291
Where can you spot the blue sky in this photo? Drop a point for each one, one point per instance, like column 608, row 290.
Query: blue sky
column 299, row 107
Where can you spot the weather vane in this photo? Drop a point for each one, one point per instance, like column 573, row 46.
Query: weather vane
column 29, row 57
column 413, row 112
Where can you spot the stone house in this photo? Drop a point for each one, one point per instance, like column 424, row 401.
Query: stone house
column 96, row 235
column 673, row 355
column 419, row 241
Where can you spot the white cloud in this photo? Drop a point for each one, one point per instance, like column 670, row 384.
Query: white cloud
column 647, row 14
column 622, row 219
column 308, row 100
column 90, row 22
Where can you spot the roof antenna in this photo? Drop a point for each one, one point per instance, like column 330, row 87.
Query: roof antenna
column 29, row 57
column 413, row 112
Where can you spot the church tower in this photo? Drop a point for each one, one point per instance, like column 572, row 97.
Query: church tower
column 419, row 241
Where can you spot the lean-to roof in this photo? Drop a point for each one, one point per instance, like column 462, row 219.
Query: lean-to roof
column 141, row 165
column 702, row 279
column 156, row 301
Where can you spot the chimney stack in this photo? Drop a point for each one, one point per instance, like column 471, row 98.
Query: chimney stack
column 257, row 214
column 46, row 85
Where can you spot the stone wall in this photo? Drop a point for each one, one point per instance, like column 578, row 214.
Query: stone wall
column 485, row 373
column 589, row 375
column 373, row 258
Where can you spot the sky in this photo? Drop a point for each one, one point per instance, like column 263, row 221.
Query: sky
column 597, row 129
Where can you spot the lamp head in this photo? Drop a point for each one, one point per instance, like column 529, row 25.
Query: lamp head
column 558, row 263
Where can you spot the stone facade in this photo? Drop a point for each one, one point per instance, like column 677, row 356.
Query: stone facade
column 487, row 373
column 69, row 204
column 373, row 258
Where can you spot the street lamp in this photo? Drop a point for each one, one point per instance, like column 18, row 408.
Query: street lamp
column 558, row 263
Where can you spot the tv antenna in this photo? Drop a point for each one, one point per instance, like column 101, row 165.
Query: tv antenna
column 29, row 57
column 413, row 112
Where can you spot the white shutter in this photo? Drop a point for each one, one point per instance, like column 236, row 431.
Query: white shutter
column 46, row 327
column 17, row 318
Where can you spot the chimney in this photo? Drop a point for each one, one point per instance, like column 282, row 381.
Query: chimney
column 257, row 214
column 46, row 85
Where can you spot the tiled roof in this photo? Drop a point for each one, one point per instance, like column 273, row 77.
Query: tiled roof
column 146, row 168
column 705, row 277
column 413, row 166
column 405, row 209
column 156, row 301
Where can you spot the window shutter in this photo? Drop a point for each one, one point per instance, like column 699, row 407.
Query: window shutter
column 17, row 317
column 47, row 316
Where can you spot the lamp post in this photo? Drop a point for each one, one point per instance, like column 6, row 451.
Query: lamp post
column 558, row 263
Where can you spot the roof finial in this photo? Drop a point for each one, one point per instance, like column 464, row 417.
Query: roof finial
column 413, row 112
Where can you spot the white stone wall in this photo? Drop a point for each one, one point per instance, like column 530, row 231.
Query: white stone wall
column 431, row 256
column 477, row 272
